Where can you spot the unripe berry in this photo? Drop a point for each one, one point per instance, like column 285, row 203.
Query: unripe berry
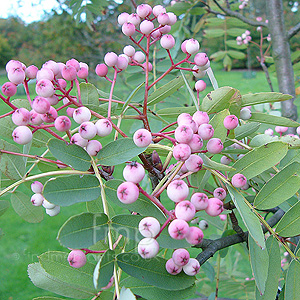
column 139, row 56
column 40, row 104
column 44, row 88
column 225, row 160
column 195, row 143
column 203, row 225
column 214, row 146
column 81, row 114
column 48, row 204
column 192, row 46
column 122, row 18
column 16, row 75
column 37, row 187
column 22, row 135
column 238, row 180
column 78, row 140
column 77, row 258
column 185, row 210
column 134, row 172
column 194, row 163
column 144, row 10
column 146, row 27
column 178, row 229
column 21, row 116
column 215, row 207
column 182, row 152
column 206, row 131
column 172, row 268
column 198, row 73
column 104, row 127
column 201, row 59
column 128, row 29
column 245, row 113
column 231, row 122
column 149, row 227
column 87, row 130
column 52, row 212
column 220, row 193
column 183, row 134
column 142, row 138
column 93, row 147
column 122, row 63
column 37, row 199
column 183, row 46
column 195, row 236
column 129, row 50
column 101, row 70
column 177, row 190
column 183, row 118
column 148, row 248
column 62, row 123
column 9, row 89
column 111, row 59
column 150, row 67
column 134, row 19
column 167, row 41
column 192, row 267
column 200, row 86
column 200, row 201
column 50, row 116
column 269, row 131
column 181, row 257
column 128, row 192
column 44, row 73
column 69, row 73
column 201, row 117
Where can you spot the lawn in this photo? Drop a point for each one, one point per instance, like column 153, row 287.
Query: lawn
column 22, row 242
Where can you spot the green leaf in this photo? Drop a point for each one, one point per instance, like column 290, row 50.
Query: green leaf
column 292, row 155
column 7, row 126
column 262, row 139
column 12, row 166
column 104, row 269
column 127, row 294
column 279, row 188
column 292, row 286
column 71, row 154
column 249, row 218
column 200, row 178
column 274, row 271
column 174, row 112
column 130, row 97
column 190, row 91
column 89, row 94
column 213, row 33
column 235, row 31
column 23, row 207
column 56, row 264
column 47, row 298
column 217, row 56
column 68, row 190
column 266, row 97
column 83, row 230
column 236, row 54
column 273, row 120
column 40, row 139
column 227, row 63
column 4, row 205
column 45, row 281
column 149, row 291
column 289, row 225
column 118, row 152
column 142, row 205
column 210, row 164
column 153, row 271
column 179, row 8
column 165, row 241
column 166, row 90
column 233, row 44
column 102, row 108
column 259, row 259
column 260, row 159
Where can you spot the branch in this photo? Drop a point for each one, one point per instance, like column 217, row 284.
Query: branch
column 293, row 31
column 210, row 247
column 237, row 15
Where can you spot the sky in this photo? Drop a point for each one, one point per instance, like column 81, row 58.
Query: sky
column 28, row 10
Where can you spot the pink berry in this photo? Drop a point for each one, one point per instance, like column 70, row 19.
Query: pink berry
column 195, row 236
column 50, row 116
column 13, row 64
column 192, row 46
column 93, row 147
column 134, row 19
column 198, row 73
column 69, row 73
column 172, row 268
column 200, row 86
column 172, row 17
column 195, row 143
column 220, row 193
column 146, row 27
column 44, row 73
column 122, row 18
column 231, row 122
column 177, row 190
column 192, row 267
column 194, row 163
column 21, row 116
column 182, row 152
column 142, row 138
column 127, row 192
column 77, row 258
column 134, row 172
column 83, row 73
column 178, row 229
column 35, row 118
column 238, row 180
column 37, row 187
column 245, row 113
column 144, row 10
column 281, row 129
column 149, row 227
column 129, row 50
column 215, row 207
column 128, row 29
column 167, row 41
column 16, row 75
column 206, row 131
column 104, row 127
column 201, row 59
column 158, row 9
column 183, row 46
column 139, row 56
column 73, row 62
column 183, row 134
column 53, row 66
column 81, row 114
column 214, row 146
column 40, row 104
column 200, row 201
column 164, row 30
column 189, row 122
column 225, row 160
column 148, row 248
column 185, row 210
column 223, row 217
column 78, row 140
column 122, row 63
column 62, row 123
column 53, row 211
column 87, row 130
column 183, row 118
column 181, row 257
column 53, row 100
column 37, row 199
column 62, row 83
column 22, row 135
column 163, row 19
column 269, row 131
column 9, row 89
column 101, row 70
column 111, row 59
column 44, row 88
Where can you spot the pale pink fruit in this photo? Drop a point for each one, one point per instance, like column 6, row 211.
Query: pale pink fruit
column 53, row 100
column 149, row 227
column 192, row 46
column 181, row 257
column 139, row 56
column 201, row 59
column 13, row 64
column 270, row 131
column 101, row 70
column 52, row 212
column 77, row 258
column 163, row 30
column 45, row 73
column 183, row 46
column 9, row 89
column 185, row 210
column 128, row 192
column 172, row 18
column 198, row 73
column 21, row 116
column 238, row 180
column 128, row 29
column 167, row 41
column 122, row 18
column 200, row 86
column 73, row 62
column 148, row 248
column 195, row 236
column 281, row 129
column 37, row 199
column 194, row 163
column 83, row 73
column 225, row 160
column 163, row 19
column 158, row 9
column 146, row 27
column 37, row 187
column 201, row 117
column 104, row 127
column 50, row 116
column 183, row 134
column 203, row 225
column 93, row 147
column 231, row 122
column 44, row 88
column 200, row 201
column 143, row 10
column 182, row 152
column 196, row 143
column 220, row 193
column 245, row 113
column 183, row 117
column 81, row 114
column 142, row 138
column 87, row 130
column 16, row 75
column 214, row 146
column 22, row 135
column 40, row 104
column 129, row 50
column 178, row 229
column 62, row 123
column 35, row 118
column 134, row 19
column 134, row 172
column 177, row 190
column 215, row 207
column 69, row 73
column 122, row 63
column 172, row 268
column 206, row 131
column 62, row 83
column 70, row 111
column 48, row 204
column 192, row 267
column 78, row 140
column 53, row 66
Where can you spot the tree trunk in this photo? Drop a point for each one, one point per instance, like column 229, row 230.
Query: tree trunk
column 282, row 56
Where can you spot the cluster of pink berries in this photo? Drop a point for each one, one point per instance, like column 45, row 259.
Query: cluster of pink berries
column 281, row 130
column 243, row 4
column 38, row 199
column 245, row 38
